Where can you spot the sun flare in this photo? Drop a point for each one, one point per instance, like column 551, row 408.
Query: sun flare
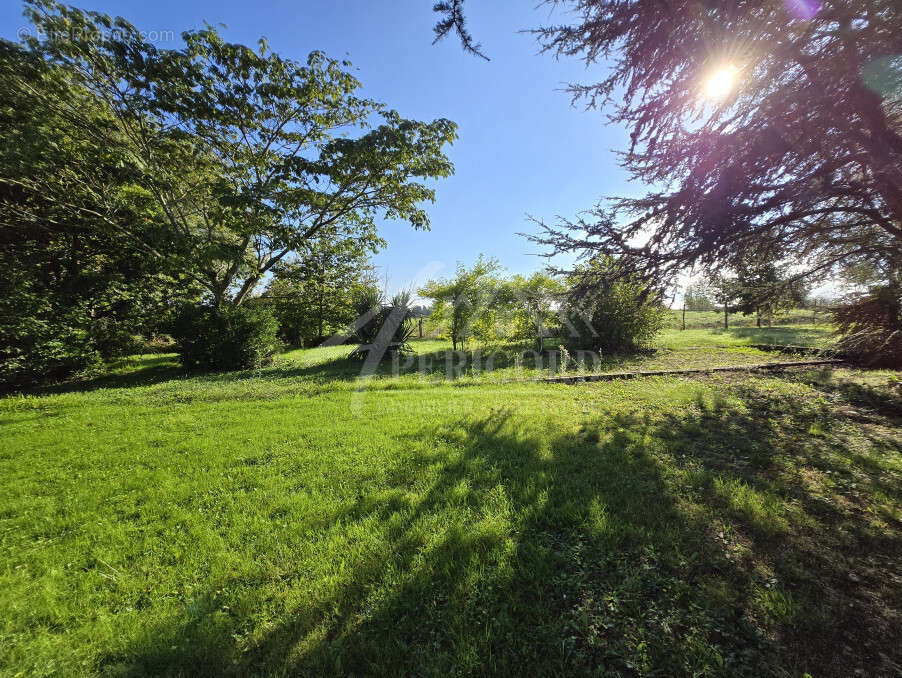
column 721, row 82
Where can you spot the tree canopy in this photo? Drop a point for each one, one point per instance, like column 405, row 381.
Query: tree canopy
column 537, row 302
column 698, row 296
column 239, row 154
column 796, row 153
column 461, row 299
column 764, row 289
column 133, row 179
column 313, row 295
column 72, row 289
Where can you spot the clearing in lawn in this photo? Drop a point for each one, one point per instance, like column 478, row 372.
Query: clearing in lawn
column 284, row 522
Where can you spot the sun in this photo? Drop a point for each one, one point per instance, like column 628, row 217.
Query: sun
column 721, row 82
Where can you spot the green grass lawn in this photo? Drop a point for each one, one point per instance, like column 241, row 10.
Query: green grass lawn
column 295, row 521
column 714, row 319
column 434, row 363
column 800, row 334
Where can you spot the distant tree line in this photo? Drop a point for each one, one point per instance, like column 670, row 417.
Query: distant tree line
column 764, row 290
column 585, row 310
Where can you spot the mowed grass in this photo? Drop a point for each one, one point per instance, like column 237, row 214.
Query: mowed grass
column 298, row 521
column 714, row 319
column 801, row 334
column 434, row 362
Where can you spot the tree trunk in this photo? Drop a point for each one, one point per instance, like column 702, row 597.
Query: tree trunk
column 539, row 342
column 726, row 321
column 421, row 328
column 246, row 288
column 683, row 326
column 217, row 299
column 758, row 315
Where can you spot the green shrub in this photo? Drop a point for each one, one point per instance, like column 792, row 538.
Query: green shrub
column 37, row 350
column 113, row 338
column 609, row 312
column 39, row 339
column 40, row 345
column 227, row 338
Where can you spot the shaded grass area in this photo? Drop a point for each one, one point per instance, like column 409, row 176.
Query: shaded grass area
column 317, row 369
column 264, row 524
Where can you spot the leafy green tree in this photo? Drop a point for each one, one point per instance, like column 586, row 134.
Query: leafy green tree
column 244, row 156
column 699, row 296
column 459, row 301
column 725, row 291
column 313, row 295
column 537, row 298
column 764, row 289
column 71, row 289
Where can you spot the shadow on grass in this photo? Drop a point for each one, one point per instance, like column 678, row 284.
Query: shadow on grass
column 129, row 372
column 883, row 399
column 537, row 560
column 808, row 496
column 511, row 361
column 147, row 370
column 721, row 541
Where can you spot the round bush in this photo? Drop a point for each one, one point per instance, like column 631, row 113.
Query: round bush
column 610, row 313
column 227, row 338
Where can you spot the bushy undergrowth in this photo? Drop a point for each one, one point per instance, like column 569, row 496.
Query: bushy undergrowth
column 226, row 338
column 611, row 314
column 871, row 326
column 37, row 349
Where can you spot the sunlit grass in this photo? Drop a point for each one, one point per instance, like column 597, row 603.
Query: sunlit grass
column 284, row 521
column 784, row 335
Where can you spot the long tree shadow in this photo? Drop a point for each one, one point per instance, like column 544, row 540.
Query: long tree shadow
column 128, row 372
column 642, row 544
column 148, row 370
column 808, row 490
column 510, row 361
column 584, row 564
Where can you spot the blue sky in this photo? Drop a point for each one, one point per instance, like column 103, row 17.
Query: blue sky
column 523, row 149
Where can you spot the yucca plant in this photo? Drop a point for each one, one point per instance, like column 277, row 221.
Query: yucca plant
column 368, row 306
column 400, row 309
column 374, row 315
